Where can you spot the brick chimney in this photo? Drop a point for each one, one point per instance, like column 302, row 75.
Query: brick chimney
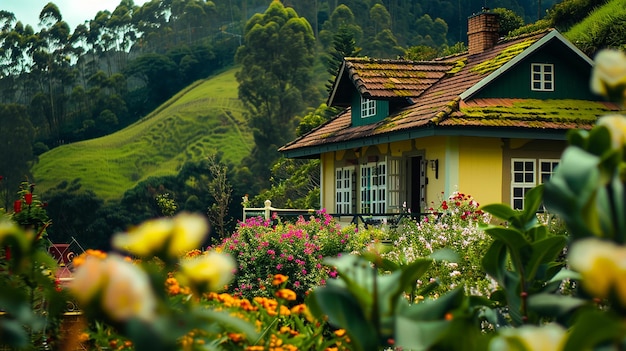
column 482, row 31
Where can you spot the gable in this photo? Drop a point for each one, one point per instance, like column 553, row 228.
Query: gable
column 367, row 111
column 570, row 73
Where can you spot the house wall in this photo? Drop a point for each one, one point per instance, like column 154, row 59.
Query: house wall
column 525, row 148
column 327, row 188
column 480, row 168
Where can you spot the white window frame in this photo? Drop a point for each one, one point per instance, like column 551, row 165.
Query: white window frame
column 368, row 107
column 373, row 187
column 542, row 77
column 523, row 184
column 343, row 189
column 539, row 176
column 546, row 174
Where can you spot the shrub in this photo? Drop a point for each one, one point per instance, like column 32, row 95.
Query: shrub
column 453, row 224
column 295, row 250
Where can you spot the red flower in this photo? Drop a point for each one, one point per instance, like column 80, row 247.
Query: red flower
column 17, row 206
column 444, row 205
column 28, row 198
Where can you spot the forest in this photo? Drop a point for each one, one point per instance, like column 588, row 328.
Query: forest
column 60, row 85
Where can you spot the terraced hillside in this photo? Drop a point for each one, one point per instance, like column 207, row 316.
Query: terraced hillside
column 203, row 118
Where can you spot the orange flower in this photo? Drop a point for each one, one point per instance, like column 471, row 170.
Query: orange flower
column 286, row 294
column 301, row 308
column 340, row 332
column 236, row 337
column 279, row 279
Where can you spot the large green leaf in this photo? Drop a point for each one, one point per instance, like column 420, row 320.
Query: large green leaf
column 494, row 261
column 532, row 201
column 343, row 311
column 551, row 305
column 501, row 211
column 592, row 328
column 543, row 252
column 512, row 237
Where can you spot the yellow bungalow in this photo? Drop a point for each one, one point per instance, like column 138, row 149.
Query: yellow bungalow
column 490, row 122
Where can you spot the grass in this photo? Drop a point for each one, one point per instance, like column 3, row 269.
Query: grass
column 200, row 120
column 604, row 15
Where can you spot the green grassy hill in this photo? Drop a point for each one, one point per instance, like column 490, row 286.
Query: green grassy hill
column 199, row 120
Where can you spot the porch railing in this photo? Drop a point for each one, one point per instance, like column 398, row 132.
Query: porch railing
column 267, row 211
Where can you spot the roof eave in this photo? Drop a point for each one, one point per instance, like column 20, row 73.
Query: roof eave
column 430, row 130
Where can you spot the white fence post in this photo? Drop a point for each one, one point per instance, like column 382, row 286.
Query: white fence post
column 268, row 207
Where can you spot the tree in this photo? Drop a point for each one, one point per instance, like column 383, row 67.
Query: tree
column 274, row 84
column 221, row 191
column 508, row 21
column 344, row 45
column 16, row 139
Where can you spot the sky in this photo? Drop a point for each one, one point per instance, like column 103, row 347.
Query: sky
column 74, row 12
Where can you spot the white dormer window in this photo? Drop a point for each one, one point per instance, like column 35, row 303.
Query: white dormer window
column 368, row 107
column 542, row 77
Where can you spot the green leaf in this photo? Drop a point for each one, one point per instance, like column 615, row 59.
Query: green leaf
column 445, row 254
column 343, row 311
column 494, row 261
column 431, row 310
column 543, row 251
column 501, row 211
column 419, row 335
column 510, row 236
column 599, row 141
column 592, row 328
column 532, row 201
column 551, row 305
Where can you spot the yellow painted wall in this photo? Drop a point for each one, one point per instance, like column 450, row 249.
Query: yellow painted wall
column 480, row 168
column 435, row 150
column 328, row 184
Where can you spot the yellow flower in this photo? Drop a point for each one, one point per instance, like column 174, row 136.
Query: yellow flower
column 602, row 266
column 617, row 127
column 549, row 337
column 174, row 236
column 189, row 231
column 147, row 239
column 609, row 74
column 208, row 272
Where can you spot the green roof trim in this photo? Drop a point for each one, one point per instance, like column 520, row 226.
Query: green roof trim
column 502, row 58
column 524, row 133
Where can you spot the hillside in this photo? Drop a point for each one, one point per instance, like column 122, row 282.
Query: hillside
column 201, row 119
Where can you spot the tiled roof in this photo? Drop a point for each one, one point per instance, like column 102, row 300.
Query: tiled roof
column 437, row 87
column 376, row 78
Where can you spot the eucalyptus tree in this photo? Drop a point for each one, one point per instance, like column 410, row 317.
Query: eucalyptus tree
column 275, row 80
column 52, row 66
column 122, row 30
column 16, row 139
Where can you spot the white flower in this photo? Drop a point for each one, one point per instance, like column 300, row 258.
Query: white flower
column 124, row 289
column 549, row 337
column 127, row 293
column 609, row 73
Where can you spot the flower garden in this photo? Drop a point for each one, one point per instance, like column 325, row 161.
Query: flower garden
column 465, row 277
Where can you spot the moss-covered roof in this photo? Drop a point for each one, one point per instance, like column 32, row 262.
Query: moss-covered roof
column 439, row 100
